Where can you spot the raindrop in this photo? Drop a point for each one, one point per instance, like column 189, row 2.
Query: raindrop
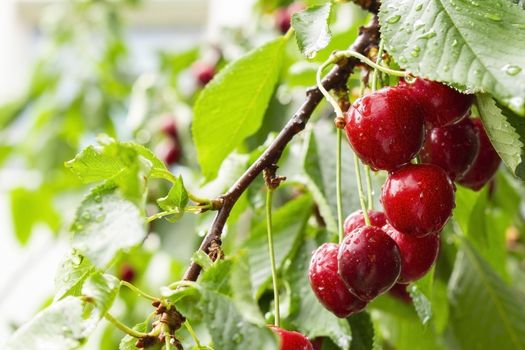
column 419, row 7
column 493, row 17
column 393, row 19
column 512, row 69
column 86, row 216
column 427, row 35
column 454, row 43
column 98, row 198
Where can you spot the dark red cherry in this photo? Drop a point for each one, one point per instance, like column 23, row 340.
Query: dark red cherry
column 418, row 254
column 283, row 16
column 399, row 291
column 369, row 262
column 292, row 340
column 328, row 286
column 356, row 220
column 453, row 147
column 486, row 163
column 442, row 105
column 418, row 199
column 127, row 273
column 317, row 343
column 169, row 151
column 385, row 128
column 203, row 72
column 169, row 128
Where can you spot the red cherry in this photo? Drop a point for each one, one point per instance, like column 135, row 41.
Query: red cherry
column 292, row 340
column 283, row 16
column 385, row 128
column 203, row 72
column 327, row 284
column 418, row 254
column 418, row 199
column 127, row 273
column 400, row 292
column 369, row 262
column 453, row 147
column 317, row 343
column 442, row 105
column 486, row 163
column 169, row 128
column 169, row 151
column 356, row 220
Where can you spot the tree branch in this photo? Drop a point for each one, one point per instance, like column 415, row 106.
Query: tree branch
column 368, row 37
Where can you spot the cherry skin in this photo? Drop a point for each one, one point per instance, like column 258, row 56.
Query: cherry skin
column 453, row 147
column 283, row 16
column 399, row 291
column 369, row 262
column 169, row 151
column 418, row 199
column 169, row 128
column 486, row 163
column 317, row 343
column 356, row 220
column 292, row 340
column 203, row 72
column 127, row 273
column 385, row 128
column 328, row 286
column 442, row 105
column 418, row 254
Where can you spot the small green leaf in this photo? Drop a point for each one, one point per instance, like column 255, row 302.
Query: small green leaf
column 102, row 289
column 478, row 45
column 312, row 29
column 485, row 312
column 71, row 274
column 65, row 325
column 202, row 259
column 232, row 105
column 128, row 342
column 362, row 331
column 175, row 201
column 105, row 224
column 506, row 132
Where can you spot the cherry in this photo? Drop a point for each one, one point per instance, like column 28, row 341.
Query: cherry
column 127, row 273
column 292, row 340
column 169, row 151
column 442, row 105
column 169, row 128
column 317, row 343
column 369, row 262
column 399, row 291
column 486, row 163
column 356, row 220
column 328, row 285
column 203, row 72
column 418, row 199
column 283, row 16
column 385, row 128
column 418, row 254
column 453, row 147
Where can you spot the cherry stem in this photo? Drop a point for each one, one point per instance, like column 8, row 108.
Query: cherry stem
column 193, row 334
column 167, row 337
column 378, row 62
column 360, row 190
column 339, row 55
column 369, row 189
column 326, row 94
column 271, row 251
column 138, row 291
column 338, row 190
column 123, row 327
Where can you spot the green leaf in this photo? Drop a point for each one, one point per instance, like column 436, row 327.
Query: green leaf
column 202, row 259
column 288, row 223
column 310, row 316
column 506, row 132
column 232, row 105
column 101, row 289
column 362, row 331
column 478, row 45
column 105, row 224
column 65, row 325
column 312, row 29
column 71, row 274
column 30, row 207
column 485, row 312
column 175, row 201
column 319, row 166
column 128, row 342
column 421, row 294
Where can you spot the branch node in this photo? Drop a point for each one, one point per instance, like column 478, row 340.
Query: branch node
column 270, row 178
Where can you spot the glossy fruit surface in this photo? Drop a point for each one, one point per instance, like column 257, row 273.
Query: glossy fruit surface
column 369, row 262
column 169, row 128
column 453, row 147
column 356, row 220
column 203, row 72
column 385, row 128
column 292, row 340
column 418, row 199
column 127, row 273
column 442, row 105
column 328, row 286
column 169, row 151
column 399, row 291
column 486, row 163
column 418, row 254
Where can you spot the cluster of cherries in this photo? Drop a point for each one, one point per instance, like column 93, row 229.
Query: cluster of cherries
column 387, row 129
